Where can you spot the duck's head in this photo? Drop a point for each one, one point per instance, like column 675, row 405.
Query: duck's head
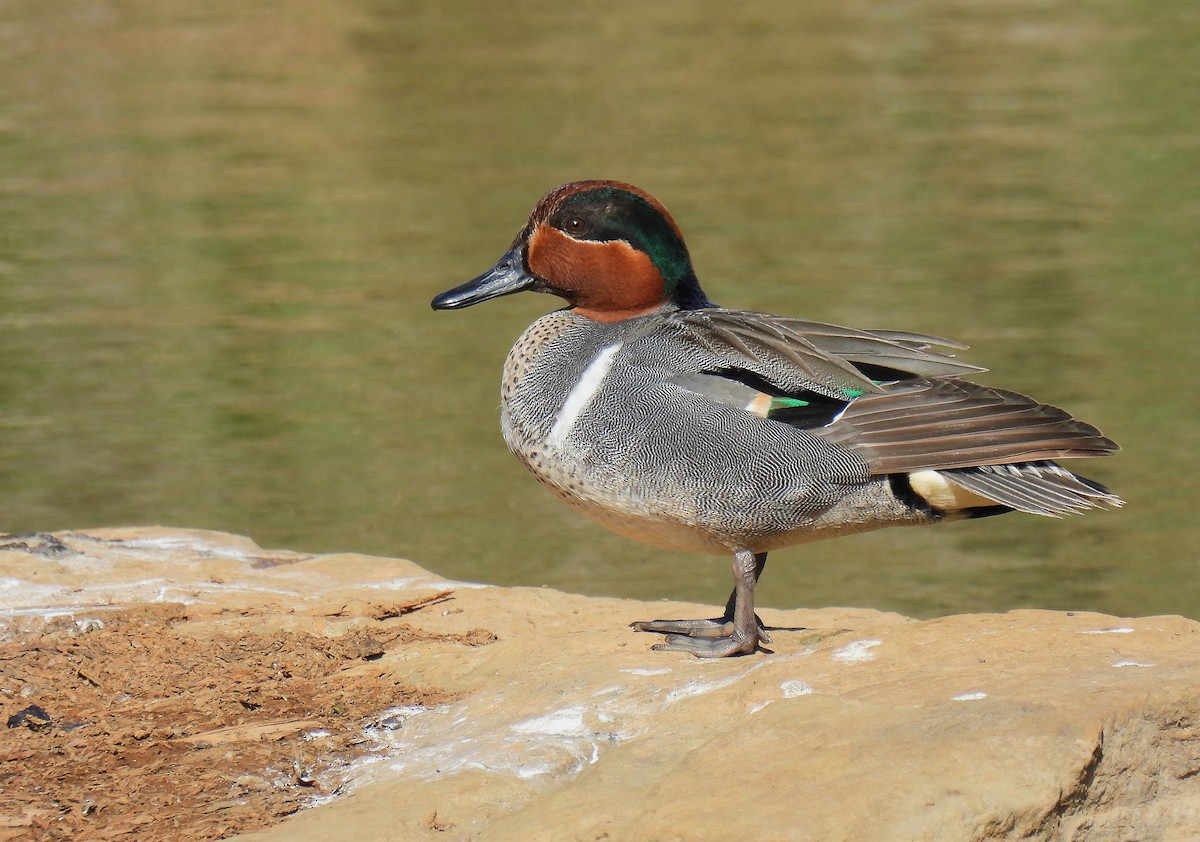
column 610, row 249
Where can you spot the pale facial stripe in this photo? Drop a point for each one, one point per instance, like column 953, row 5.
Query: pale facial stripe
column 581, row 395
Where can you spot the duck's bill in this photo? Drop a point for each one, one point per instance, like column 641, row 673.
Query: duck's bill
column 505, row 278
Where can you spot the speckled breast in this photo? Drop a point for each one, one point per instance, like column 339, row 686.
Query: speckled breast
column 554, row 378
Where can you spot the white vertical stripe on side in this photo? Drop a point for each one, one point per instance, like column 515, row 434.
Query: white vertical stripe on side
column 581, row 395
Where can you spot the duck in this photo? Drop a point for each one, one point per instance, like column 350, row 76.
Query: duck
column 698, row 428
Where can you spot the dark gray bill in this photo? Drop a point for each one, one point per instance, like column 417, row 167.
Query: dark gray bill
column 506, row 277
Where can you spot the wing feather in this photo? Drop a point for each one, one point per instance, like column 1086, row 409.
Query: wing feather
column 796, row 355
column 950, row 423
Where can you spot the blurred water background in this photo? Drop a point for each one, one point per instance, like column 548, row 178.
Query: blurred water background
column 221, row 225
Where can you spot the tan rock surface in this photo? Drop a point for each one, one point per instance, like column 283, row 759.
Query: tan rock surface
column 858, row 726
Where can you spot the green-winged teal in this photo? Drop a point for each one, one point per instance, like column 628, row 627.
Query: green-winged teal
column 692, row 427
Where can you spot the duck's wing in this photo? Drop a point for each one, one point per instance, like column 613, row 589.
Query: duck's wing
column 897, row 403
column 950, row 423
column 796, row 356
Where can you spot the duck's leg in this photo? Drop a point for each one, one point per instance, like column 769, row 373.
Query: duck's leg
column 737, row 632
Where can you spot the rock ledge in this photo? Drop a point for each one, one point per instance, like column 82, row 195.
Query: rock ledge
column 552, row 720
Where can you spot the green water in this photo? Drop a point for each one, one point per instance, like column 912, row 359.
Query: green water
column 221, row 225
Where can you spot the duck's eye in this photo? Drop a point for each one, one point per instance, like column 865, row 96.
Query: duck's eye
column 576, row 225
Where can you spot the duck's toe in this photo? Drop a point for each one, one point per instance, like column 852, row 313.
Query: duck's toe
column 709, row 647
column 715, row 628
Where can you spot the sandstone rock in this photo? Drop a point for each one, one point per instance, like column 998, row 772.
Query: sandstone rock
column 858, row 726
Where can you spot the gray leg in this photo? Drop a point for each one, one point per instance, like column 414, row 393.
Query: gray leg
column 737, row 632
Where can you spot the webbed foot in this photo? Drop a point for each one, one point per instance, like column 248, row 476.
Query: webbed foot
column 739, row 631
column 717, row 627
column 708, row 647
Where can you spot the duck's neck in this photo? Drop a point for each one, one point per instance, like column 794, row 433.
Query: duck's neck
column 688, row 295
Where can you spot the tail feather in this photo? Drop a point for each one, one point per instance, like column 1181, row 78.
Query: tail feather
column 1040, row 488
